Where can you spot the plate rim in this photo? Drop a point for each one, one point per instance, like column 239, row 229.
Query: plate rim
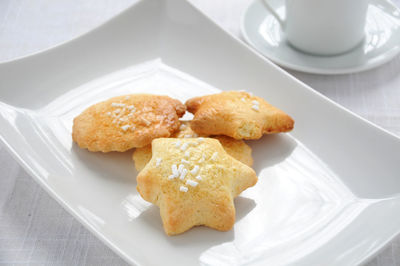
column 63, row 204
column 389, row 55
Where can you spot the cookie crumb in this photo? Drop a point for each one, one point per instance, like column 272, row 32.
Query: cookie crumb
column 191, row 183
column 178, row 143
column 184, row 146
column 180, row 168
column 203, row 158
column 125, row 127
column 187, row 154
column 195, row 170
column 175, row 171
column 147, row 122
column 256, row 105
column 118, row 104
column 183, row 174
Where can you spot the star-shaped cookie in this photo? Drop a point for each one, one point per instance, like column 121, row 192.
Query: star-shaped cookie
column 125, row 122
column 238, row 115
column 238, row 149
column 193, row 181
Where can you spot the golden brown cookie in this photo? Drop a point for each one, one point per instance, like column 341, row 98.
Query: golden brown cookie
column 238, row 149
column 238, row 115
column 141, row 156
column 185, row 131
column 125, row 122
column 193, row 181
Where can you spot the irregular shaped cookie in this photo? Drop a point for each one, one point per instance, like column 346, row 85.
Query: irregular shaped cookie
column 185, row 131
column 125, row 122
column 238, row 115
column 141, row 156
column 238, row 149
column 194, row 190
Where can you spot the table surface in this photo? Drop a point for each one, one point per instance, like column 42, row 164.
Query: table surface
column 34, row 229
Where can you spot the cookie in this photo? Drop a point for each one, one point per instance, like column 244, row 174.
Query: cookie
column 125, row 122
column 193, row 190
column 185, row 131
column 141, row 156
column 238, row 115
column 238, row 149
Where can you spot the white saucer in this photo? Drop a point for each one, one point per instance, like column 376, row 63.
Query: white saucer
column 261, row 30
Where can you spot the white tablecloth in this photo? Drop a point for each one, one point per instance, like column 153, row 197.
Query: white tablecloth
column 34, row 229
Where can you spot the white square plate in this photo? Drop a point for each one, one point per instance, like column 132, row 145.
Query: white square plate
column 328, row 193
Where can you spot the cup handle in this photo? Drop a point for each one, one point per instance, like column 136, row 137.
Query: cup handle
column 273, row 12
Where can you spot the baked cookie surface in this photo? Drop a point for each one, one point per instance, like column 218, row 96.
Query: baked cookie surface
column 238, row 115
column 193, row 181
column 125, row 122
column 238, row 149
column 185, row 131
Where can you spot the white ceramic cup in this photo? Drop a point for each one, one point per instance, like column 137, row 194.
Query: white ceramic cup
column 323, row 27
